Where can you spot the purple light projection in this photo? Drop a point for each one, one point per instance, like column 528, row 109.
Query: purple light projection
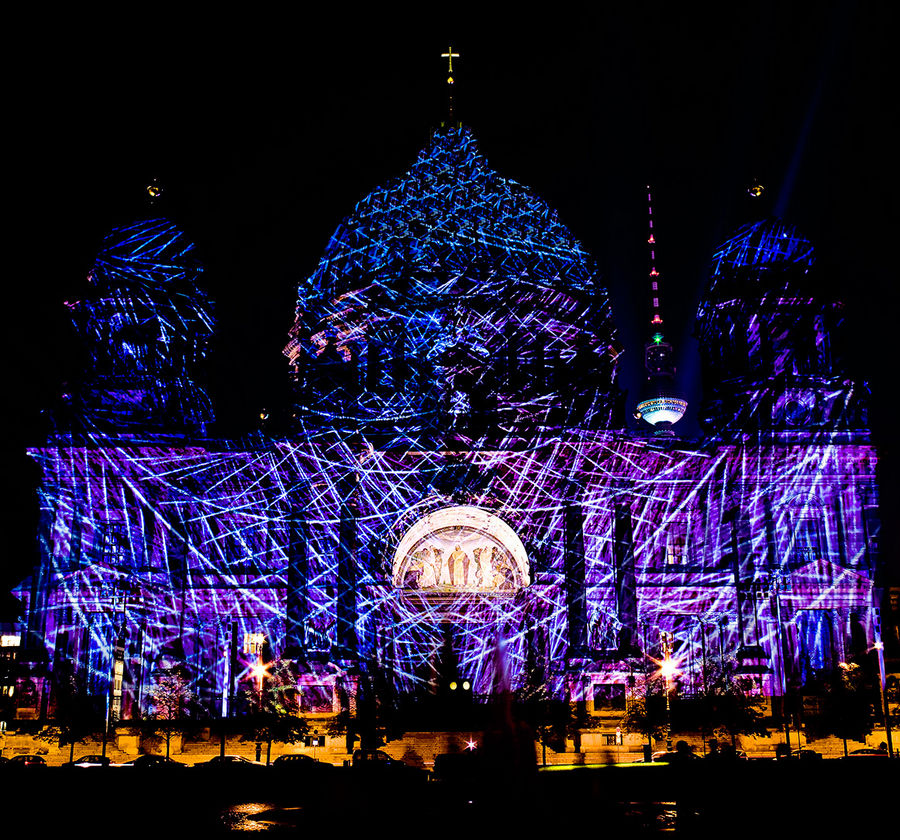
column 457, row 473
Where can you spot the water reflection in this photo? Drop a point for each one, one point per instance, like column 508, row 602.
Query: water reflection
column 642, row 818
column 649, row 817
column 258, row 816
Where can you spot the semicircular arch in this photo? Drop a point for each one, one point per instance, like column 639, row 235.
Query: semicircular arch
column 460, row 548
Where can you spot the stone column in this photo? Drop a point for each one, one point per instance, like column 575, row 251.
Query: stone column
column 626, row 582
column 573, row 558
column 739, row 549
column 346, row 568
column 296, row 608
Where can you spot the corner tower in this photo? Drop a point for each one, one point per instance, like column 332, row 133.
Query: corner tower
column 144, row 324
column 769, row 342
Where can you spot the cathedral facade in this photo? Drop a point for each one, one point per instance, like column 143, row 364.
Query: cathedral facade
column 455, row 495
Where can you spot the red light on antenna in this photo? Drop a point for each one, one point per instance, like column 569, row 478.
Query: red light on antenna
column 654, row 273
column 651, row 240
column 656, row 319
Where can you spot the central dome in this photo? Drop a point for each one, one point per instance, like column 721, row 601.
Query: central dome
column 450, row 210
column 452, row 292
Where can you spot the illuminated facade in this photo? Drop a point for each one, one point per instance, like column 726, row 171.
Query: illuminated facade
column 457, row 476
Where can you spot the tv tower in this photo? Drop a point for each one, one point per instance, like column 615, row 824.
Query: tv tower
column 662, row 409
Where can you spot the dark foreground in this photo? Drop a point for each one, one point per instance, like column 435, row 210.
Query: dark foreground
column 856, row 799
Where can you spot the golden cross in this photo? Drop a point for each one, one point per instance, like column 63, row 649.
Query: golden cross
column 449, row 55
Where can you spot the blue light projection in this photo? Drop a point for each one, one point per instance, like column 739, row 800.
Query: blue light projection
column 771, row 342
column 761, row 245
column 146, row 326
column 457, row 477
column 453, row 299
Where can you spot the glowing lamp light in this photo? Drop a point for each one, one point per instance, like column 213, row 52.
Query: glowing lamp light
column 668, row 668
column 660, row 410
column 258, row 671
column 466, row 685
column 154, row 190
column 453, row 686
column 756, row 190
column 879, row 645
column 471, row 745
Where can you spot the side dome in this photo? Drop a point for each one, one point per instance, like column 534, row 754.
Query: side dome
column 770, row 341
column 152, row 252
column 144, row 324
column 758, row 255
column 453, row 300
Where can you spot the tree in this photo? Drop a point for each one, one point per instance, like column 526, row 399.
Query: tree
column 548, row 717
column 78, row 712
column 381, row 716
column 729, row 702
column 171, row 697
column 273, row 706
column 892, row 699
column 343, row 725
column 846, row 709
column 646, row 709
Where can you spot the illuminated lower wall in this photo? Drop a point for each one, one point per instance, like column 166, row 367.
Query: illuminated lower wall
column 182, row 551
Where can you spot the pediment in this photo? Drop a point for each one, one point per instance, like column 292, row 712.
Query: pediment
column 824, row 575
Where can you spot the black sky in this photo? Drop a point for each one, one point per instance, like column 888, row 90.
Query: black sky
column 266, row 130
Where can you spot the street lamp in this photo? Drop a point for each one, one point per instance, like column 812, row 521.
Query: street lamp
column 879, row 648
column 259, row 671
column 668, row 668
column 778, row 583
column 254, row 644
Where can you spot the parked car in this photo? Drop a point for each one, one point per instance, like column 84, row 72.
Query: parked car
column 27, row 761
column 459, row 766
column 302, row 765
column 727, row 753
column 806, row 754
column 229, row 762
column 89, row 761
column 371, row 758
column 869, row 752
column 154, row 762
column 674, row 755
column 378, row 762
column 469, row 771
column 683, row 752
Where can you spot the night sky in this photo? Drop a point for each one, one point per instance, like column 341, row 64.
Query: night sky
column 265, row 131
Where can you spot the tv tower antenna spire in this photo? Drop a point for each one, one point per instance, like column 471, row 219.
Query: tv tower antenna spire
column 662, row 409
column 656, row 317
